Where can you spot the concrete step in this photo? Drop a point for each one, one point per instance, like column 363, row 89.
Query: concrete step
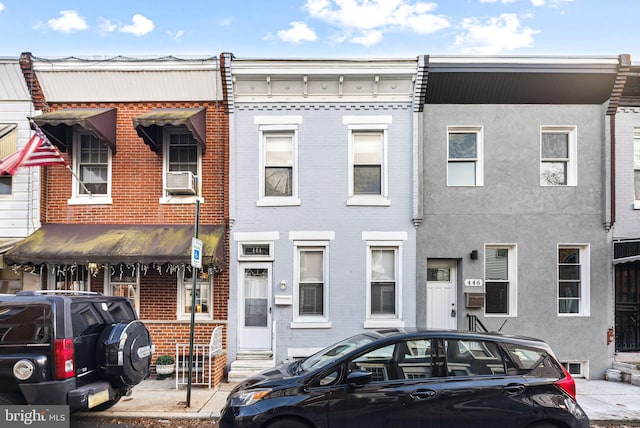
column 254, row 355
column 244, row 366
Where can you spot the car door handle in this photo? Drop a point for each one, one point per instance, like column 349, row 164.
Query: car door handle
column 422, row 394
column 513, row 388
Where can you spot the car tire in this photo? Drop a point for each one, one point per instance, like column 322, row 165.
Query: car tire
column 126, row 352
column 288, row 423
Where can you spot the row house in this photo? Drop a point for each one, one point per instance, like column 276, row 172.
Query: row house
column 20, row 193
column 322, row 244
column 516, row 230
column 625, row 200
column 145, row 141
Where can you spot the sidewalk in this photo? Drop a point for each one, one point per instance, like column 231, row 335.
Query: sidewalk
column 603, row 401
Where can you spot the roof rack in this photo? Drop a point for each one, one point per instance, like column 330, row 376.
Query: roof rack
column 63, row 292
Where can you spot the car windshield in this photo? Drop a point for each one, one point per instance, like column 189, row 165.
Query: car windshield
column 335, row 351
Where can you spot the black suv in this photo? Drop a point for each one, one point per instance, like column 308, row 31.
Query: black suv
column 413, row 379
column 80, row 349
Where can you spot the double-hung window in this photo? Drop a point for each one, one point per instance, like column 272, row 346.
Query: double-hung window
column 182, row 165
column 311, row 288
column 464, row 156
column 8, row 146
column 384, row 279
column 92, row 167
column 500, row 280
column 573, row 280
column 278, row 175
column 368, row 162
column 558, row 162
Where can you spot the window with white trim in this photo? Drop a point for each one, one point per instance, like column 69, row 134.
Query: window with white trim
column 573, row 280
column 278, row 164
column 182, row 164
column 92, row 168
column 464, row 156
column 124, row 280
column 558, row 156
column 500, row 280
column 577, row 369
column 311, row 302
column 203, row 293
column 368, row 163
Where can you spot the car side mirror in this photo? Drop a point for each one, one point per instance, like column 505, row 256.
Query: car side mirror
column 359, row 377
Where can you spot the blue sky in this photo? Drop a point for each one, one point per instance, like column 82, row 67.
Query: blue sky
column 319, row 28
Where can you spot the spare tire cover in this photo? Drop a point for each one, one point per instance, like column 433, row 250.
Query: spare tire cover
column 127, row 351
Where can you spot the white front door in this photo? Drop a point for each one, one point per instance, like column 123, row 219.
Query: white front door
column 441, row 295
column 255, row 306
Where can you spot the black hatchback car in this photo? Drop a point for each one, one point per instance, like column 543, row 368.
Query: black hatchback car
column 413, row 379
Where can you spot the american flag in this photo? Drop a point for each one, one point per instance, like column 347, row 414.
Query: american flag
column 38, row 152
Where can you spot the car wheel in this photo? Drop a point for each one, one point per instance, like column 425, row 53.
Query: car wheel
column 126, row 350
column 288, row 423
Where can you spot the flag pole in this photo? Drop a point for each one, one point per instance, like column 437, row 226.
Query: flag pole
column 66, row 164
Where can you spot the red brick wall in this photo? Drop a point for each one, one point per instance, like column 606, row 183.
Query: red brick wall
column 137, row 175
column 136, row 189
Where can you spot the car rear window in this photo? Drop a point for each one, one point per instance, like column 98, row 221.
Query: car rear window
column 91, row 317
column 25, row 324
column 533, row 361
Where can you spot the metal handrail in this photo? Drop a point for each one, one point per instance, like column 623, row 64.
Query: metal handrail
column 475, row 324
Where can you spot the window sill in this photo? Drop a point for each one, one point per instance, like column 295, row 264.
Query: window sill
column 373, row 201
column 307, row 324
column 180, row 199
column 636, row 205
column 278, row 202
column 198, row 317
column 384, row 323
column 91, row 200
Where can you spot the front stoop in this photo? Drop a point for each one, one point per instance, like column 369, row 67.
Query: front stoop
column 624, row 372
column 249, row 363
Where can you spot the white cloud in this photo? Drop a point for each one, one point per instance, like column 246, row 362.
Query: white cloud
column 500, row 1
column 2, row 7
column 141, row 25
column 106, row 26
column 366, row 21
column 69, row 21
column 177, row 36
column 298, row 32
column 225, row 22
column 549, row 3
column 495, row 35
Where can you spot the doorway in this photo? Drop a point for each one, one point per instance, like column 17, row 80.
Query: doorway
column 254, row 331
column 442, row 294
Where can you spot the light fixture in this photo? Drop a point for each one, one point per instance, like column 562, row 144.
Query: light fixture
column 283, row 285
column 474, row 255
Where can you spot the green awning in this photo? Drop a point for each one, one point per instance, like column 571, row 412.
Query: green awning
column 101, row 122
column 118, row 243
column 150, row 125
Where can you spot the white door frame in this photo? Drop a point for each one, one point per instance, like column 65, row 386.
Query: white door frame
column 442, row 296
column 254, row 337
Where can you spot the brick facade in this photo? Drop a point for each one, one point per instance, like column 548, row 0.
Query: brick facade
column 136, row 189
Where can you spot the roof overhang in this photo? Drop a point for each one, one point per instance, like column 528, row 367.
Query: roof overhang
column 519, row 80
column 67, row 244
column 149, row 125
column 99, row 121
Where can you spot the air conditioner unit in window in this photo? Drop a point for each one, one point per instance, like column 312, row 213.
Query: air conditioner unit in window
column 181, row 183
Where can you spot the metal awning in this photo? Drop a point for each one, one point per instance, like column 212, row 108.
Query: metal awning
column 149, row 125
column 626, row 251
column 118, row 243
column 57, row 125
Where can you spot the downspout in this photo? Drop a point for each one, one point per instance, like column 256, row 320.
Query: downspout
column 624, row 66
